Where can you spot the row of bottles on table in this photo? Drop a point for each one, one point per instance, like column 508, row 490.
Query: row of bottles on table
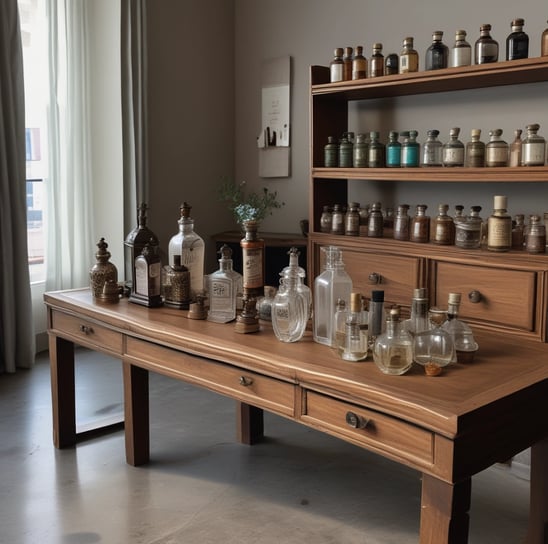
column 368, row 151
column 349, row 65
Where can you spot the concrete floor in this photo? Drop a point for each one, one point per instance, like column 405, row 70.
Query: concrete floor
column 201, row 486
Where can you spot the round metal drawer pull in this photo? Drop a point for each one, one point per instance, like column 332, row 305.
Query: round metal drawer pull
column 86, row 330
column 475, row 296
column 355, row 421
column 375, row 278
column 245, row 381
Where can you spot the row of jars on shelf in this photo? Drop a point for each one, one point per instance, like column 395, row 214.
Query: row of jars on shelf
column 368, row 151
column 349, row 65
column 499, row 233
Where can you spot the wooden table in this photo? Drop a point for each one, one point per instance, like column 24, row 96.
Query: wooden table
column 448, row 427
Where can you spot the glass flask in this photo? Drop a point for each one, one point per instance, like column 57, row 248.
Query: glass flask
column 475, row 150
column 496, row 150
column 337, row 220
column 534, row 147
column 418, row 320
column 355, row 344
column 461, row 333
column 453, row 150
column 432, row 149
column 376, row 151
column 461, row 52
column 437, row 55
column 517, row 42
column 375, row 225
column 225, row 284
column 486, row 49
column 352, row 220
column 331, row 153
column 409, row 58
column 393, row 350
column 346, row 151
column 289, row 309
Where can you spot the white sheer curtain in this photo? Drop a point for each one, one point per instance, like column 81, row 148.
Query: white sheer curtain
column 69, row 217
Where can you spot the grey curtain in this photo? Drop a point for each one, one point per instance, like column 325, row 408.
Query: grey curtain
column 16, row 325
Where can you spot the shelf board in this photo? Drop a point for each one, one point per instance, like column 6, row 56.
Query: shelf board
column 464, row 175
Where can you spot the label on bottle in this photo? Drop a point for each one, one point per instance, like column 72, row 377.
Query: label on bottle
column 533, row 154
column 410, row 155
column 453, row 156
column 336, row 71
column 461, row 56
column 488, row 52
column 499, row 233
column 253, row 268
column 475, row 155
column 404, row 63
column 497, row 156
column 147, row 278
column 393, row 155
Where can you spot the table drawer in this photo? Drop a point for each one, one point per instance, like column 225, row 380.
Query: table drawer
column 507, row 297
column 86, row 333
column 382, row 433
column 246, row 386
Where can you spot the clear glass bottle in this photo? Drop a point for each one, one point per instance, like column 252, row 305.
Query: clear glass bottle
column 355, row 344
column 534, row 147
column 393, row 150
column 326, row 219
column 486, row 49
column 517, row 42
column 336, row 66
column 443, row 227
column 337, row 220
column 544, row 43
column 459, row 213
column 475, row 150
column 499, row 226
column 461, row 333
column 432, row 149
column 359, row 64
column 347, row 63
column 331, row 153
column 224, row 286
column 516, row 149
column 420, row 225
column 461, row 52
column 376, row 151
column 377, row 316
column 329, row 286
column 402, row 223
column 391, row 64
column 346, row 151
column 468, row 231
column 289, row 312
column 339, row 323
column 410, row 150
column 264, row 303
column 409, row 58
column 393, row 350
column 496, row 150
column 418, row 320
column 375, row 227
column 453, row 150
column 376, row 61
column 518, row 231
column 190, row 246
column 352, row 220
column 360, row 157
column 295, row 269
column 437, row 54
column 535, row 239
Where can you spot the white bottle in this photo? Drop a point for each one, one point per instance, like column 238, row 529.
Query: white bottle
column 224, row 286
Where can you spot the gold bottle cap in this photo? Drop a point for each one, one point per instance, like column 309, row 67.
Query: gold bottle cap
column 355, row 302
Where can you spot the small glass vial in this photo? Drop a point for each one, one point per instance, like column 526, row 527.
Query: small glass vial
column 535, row 239
column 475, row 150
column 375, row 227
column 418, row 320
column 376, row 151
column 337, row 220
column 461, row 52
column 468, row 231
column 376, row 61
column 443, row 227
column 393, row 150
column 326, row 220
column 517, row 42
column 410, row 149
column 432, row 149
column 346, row 149
column 516, row 148
column 544, row 43
column 518, row 231
column 453, row 150
column 486, row 48
column 224, row 286
column 359, row 64
column 499, row 226
column 336, row 66
column 496, row 150
column 391, row 64
column 534, row 147
column 339, row 322
column 409, row 58
column 402, row 223
column 347, row 63
column 355, row 344
column 360, row 152
column 331, row 153
column 352, row 220
column 437, row 55
column 420, row 225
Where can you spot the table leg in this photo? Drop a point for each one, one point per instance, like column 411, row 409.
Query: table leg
column 444, row 511
column 250, row 423
column 61, row 353
column 538, row 510
column 136, row 410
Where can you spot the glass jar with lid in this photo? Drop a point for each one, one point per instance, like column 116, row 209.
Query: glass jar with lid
column 534, row 147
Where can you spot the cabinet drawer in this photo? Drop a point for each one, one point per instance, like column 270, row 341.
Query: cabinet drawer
column 382, row 433
column 243, row 385
column 506, row 296
column 86, row 333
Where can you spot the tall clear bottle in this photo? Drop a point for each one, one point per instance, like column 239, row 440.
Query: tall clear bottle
column 333, row 283
column 190, row 246
column 461, row 52
column 355, row 345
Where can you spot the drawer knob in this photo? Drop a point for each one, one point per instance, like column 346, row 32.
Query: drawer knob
column 375, row 278
column 246, row 382
column 355, row 421
column 86, row 330
column 475, row 296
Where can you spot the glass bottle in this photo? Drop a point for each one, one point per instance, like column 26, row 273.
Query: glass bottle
column 443, row 227
column 468, row 231
column 437, row 55
column 148, row 277
column 518, row 231
column 376, row 61
column 329, row 286
column 264, row 303
column 393, row 150
column 337, row 220
column 432, row 149
column 352, row 220
column 377, row 317
column 475, row 150
column 420, row 225
column 461, row 52
column 391, row 64
column 402, row 223
column 176, row 285
column 224, row 286
column 253, row 254
column 544, row 43
column 190, row 246
column 410, row 149
column 496, row 150
column 486, row 48
column 453, row 150
column 376, row 151
column 326, row 220
column 534, row 147
column 418, row 320
column 393, row 350
column 102, row 271
column 516, row 149
column 336, row 66
column 409, row 58
column 346, row 151
column 535, row 239
column 359, row 64
column 459, row 213
column 331, row 153
column 375, row 226
column 388, row 222
column 347, row 63
column 499, row 226
column 355, row 344
column 360, row 156
column 461, row 333
column 339, row 323
column 517, row 42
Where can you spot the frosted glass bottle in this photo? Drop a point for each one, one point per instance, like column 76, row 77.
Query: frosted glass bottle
column 333, row 283
column 289, row 312
column 224, row 286
column 190, row 246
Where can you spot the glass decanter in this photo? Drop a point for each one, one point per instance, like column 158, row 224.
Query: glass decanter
column 289, row 311
column 300, row 272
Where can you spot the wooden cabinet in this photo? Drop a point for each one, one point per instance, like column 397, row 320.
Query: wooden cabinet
column 501, row 291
